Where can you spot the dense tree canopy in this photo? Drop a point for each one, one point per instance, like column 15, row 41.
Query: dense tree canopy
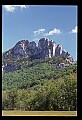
column 40, row 86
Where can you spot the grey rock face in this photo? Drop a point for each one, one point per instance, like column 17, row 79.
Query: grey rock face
column 20, row 48
column 58, row 50
column 46, row 49
column 64, row 53
column 69, row 60
column 43, row 48
column 9, row 67
column 54, row 48
column 32, row 45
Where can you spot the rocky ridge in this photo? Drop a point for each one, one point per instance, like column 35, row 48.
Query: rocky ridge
column 46, row 49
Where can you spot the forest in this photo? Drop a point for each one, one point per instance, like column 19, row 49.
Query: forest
column 40, row 86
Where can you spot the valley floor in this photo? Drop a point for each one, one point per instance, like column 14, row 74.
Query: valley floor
column 38, row 113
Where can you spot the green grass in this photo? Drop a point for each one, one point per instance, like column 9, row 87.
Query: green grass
column 39, row 113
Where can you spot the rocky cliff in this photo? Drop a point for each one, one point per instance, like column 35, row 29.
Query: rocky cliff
column 46, row 49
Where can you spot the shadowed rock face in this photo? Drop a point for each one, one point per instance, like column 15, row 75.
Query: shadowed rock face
column 46, row 48
column 20, row 48
column 58, row 50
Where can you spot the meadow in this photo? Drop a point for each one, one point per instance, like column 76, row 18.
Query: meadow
column 38, row 113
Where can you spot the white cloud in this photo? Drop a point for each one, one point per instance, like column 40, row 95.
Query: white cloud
column 39, row 31
column 11, row 8
column 54, row 31
column 74, row 30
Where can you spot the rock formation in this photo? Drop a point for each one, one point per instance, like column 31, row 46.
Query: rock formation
column 46, row 49
column 58, row 50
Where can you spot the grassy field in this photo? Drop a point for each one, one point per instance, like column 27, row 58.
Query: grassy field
column 39, row 113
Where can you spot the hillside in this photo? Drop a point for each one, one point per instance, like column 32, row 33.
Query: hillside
column 44, row 81
column 35, row 72
column 40, row 86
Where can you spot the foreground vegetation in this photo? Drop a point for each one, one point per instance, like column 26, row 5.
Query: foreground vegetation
column 39, row 113
column 39, row 86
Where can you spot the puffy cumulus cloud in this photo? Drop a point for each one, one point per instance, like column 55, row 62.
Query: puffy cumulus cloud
column 11, row 8
column 74, row 30
column 39, row 31
column 53, row 32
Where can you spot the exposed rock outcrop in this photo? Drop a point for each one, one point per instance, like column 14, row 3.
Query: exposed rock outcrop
column 46, row 49
column 58, row 50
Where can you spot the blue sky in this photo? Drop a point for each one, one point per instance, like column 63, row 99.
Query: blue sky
column 32, row 22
